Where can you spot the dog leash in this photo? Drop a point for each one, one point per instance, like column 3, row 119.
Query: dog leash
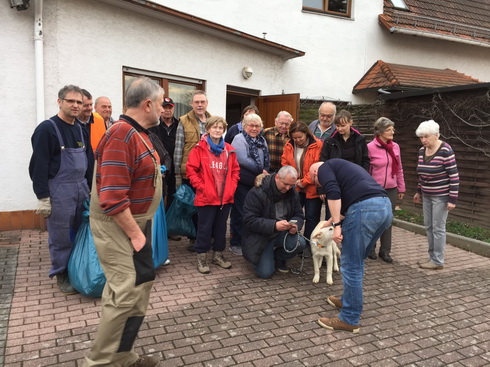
column 297, row 271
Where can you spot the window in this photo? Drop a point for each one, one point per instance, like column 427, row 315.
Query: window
column 335, row 7
column 178, row 88
column 399, row 4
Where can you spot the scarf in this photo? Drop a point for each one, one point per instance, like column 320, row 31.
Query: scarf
column 216, row 149
column 389, row 148
column 254, row 145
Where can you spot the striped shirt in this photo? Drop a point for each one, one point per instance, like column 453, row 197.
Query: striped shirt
column 438, row 174
column 125, row 170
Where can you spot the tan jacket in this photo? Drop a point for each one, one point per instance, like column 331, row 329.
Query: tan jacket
column 192, row 135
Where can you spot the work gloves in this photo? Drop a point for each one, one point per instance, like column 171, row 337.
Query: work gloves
column 44, row 207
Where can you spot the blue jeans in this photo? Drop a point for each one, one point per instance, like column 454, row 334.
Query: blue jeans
column 236, row 217
column 435, row 216
column 364, row 223
column 274, row 252
column 385, row 239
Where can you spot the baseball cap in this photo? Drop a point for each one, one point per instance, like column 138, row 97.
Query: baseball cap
column 168, row 101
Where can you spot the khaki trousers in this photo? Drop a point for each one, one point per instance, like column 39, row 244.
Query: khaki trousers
column 129, row 277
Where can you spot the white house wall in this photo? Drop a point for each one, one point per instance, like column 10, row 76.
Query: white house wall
column 18, row 106
column 338, row 51
column 87, row 43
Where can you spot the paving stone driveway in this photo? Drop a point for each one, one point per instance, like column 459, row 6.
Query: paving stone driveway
column 412, row 317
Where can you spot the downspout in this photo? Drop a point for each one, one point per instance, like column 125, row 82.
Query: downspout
column 39, row 59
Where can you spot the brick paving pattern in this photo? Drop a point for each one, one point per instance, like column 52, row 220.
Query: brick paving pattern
column 412, row 317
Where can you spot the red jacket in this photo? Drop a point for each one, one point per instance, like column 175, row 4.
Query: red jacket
column 201, row 177
column 312, row 155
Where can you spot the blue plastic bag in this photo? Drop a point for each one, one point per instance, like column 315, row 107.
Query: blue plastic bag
column 84, row 270
column 159, row 238
column 179, row 215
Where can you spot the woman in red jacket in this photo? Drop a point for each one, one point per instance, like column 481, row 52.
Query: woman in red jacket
column 213, row 171
column 301, row 151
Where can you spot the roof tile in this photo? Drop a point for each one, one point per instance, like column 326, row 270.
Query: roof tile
column 465, row 19
column 406, row 77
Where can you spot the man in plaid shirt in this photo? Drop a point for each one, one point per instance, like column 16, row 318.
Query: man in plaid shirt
column 324, row 126
column 276, row 137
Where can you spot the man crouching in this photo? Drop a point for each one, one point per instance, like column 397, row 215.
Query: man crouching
column 272, row 216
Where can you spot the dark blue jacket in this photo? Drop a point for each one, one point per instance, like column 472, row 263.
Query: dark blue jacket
column 259, row 217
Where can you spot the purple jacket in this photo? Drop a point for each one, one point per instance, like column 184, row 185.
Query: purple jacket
column 380, row 167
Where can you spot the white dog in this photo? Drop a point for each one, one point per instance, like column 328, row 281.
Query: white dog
column 323, row 245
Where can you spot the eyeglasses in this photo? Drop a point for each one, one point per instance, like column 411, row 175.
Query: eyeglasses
column 254, row 126
column 329, row 116
column 287, row 184
column 73, row 101
column 390, row 130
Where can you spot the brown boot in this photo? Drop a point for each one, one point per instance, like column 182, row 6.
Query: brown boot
column 334, row 301
column 334, row 323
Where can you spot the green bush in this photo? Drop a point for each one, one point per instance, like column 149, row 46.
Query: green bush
column 462, row 229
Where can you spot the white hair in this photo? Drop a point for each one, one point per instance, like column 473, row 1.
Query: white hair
column 429, row 127
column 285, row 171
column 285, row 113
column 251, row 117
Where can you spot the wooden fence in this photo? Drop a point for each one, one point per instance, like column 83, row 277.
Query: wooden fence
column 464, row 118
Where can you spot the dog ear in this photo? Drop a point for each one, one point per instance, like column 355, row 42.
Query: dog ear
column 317, row 235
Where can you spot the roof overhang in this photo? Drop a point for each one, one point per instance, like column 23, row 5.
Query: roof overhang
column 429, row 91
column 169, row 15
column 393, row 27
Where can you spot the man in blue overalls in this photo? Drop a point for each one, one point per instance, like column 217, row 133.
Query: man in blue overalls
column 60, row 175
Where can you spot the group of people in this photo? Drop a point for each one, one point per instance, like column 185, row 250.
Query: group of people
column 268, row 181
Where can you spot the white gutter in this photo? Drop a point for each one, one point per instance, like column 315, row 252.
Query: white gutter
column 39, row 59
column 446, row 37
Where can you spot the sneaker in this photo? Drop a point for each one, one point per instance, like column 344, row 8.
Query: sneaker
column 385, row 257
column 236, row 250
column 64, row 284
column 218, row 259
column 146, row 361
column 423, row 262
column 431, row 266
column 282, row 268
column 192, row 246
column 334, row 301
column 202, row 263
column 334, row 323
column 372, row 255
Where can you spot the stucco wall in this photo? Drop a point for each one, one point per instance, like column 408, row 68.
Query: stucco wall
column 18, row 105
column 90, row 50
column 88, row 42
column 338, row 51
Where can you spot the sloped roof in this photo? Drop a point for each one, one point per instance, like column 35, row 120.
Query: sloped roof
column 172, row 16
column 405, row 77
column 457, row 20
